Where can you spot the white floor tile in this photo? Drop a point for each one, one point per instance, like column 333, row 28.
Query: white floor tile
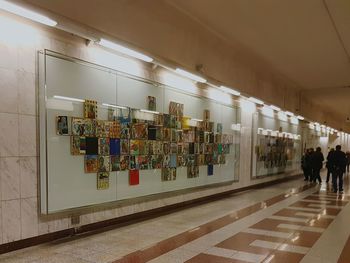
column 288, row 218
column 267, row 233
column 302, row 228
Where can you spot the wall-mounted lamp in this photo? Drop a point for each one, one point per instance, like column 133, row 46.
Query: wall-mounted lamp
column 189, row 75
column 24, row 12
column 124, row 50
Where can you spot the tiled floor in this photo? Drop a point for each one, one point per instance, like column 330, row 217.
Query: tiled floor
column 289, row 222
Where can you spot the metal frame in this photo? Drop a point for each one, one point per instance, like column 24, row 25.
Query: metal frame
column 116, row 203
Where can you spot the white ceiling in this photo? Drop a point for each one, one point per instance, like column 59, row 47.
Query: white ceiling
column 296, row 37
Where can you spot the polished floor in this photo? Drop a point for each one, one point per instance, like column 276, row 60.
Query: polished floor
column 287, row 222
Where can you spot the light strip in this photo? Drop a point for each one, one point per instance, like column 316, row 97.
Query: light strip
column 124, row 50
column 67, row 98
column 114, row 106
column 229, row 90
column 275, row 108
column 190, row 75
column 255, row 100
column 300, row 117
column 150, row 111
column 20, row 11
column 289, row 113
column 193, row 119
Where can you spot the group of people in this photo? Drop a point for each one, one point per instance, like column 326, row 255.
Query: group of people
column 337, row 164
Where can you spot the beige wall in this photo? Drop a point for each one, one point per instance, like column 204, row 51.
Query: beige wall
column 186, row 44
column 19, row 216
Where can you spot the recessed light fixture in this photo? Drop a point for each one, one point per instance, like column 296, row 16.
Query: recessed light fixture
column 275, row 108
column 255, row 100
column 150, row 111
column 124, row 50
column 24, row 12
column 300, row 117
column 114, row 106
column 193, row 119
column 190, row 75
column 289, row 113
column 229, row 90
column 68, row 98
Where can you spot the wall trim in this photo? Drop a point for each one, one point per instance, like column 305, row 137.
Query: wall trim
column 113, row 223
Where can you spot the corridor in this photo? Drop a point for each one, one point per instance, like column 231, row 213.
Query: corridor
column 287, row 222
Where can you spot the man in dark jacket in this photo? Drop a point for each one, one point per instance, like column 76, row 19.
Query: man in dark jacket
column 317, row 163
column 339, row 164
column 329, row 164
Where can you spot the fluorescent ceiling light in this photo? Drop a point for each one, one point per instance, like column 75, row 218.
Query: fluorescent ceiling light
column 300, row 117
column 229, row 90
column 150, row 111
column 114, row 106
column 21, row 11
column 196, row 119
column 190, row 75
column 275, row 108
column 289, row 113
column 255, row 100
column 68, row 98
column 124, row 50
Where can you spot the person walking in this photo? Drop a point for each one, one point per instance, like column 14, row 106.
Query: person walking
column 339, row 165
column 317, row 163
column 329, row 164
column 309, row 163
column 347, row 161
column 304, row 164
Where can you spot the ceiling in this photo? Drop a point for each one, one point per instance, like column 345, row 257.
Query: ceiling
column 307, row 41
column 296, row 37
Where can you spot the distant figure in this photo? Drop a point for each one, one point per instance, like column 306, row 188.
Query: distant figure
column 305, row 165
column 329, row 164
column 309, row 163
column 347, row 161
column 317, row 163
column 339, row 164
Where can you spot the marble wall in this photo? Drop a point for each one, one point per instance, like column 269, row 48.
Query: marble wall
column 19, row 217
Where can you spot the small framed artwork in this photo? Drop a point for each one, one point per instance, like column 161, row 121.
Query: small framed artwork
column 206, row 115
column 152, row 103
column 134, row 177
column 102, row 180
column 192, row 171
column 168, row 174
column 91, row 145
column 134, row 147
column 173, row 161
column 124, row 146
column 78, row 126
column 173, row 108
column 166, row 134
column 166, row 161
column 63, row 125
column 132, row 162
column 124, row 131
column 181, row 160
column 90, row 128
column 139, row 131
column 166, row 147
column 90, row 109
column 167, row 120
column 124, row 162
column 115, row 163
column 114, row 130
column 156, row 162
column 142, row 162
column 104, row 163
column 173, row 148
column 114, row 146
column 91, row 163
column 78, row 145
column 210, row 170
column 219, row 128
column 103, row 146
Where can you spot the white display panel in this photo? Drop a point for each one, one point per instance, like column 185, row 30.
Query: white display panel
column 276, row 145
column 64, row 184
